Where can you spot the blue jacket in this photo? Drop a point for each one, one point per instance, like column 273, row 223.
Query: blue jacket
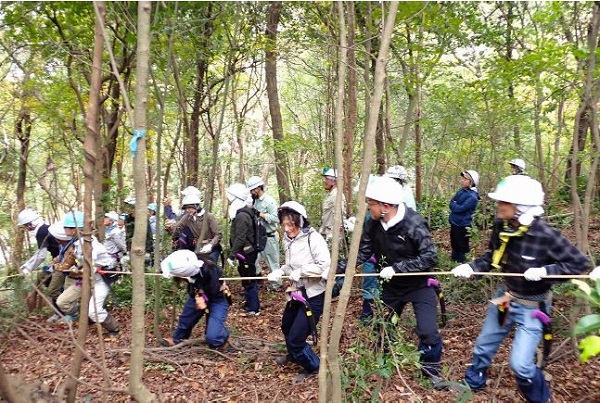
column 462, row 207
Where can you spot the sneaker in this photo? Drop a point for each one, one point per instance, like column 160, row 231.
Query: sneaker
column 167, row 342
column 250, row 313
column 69, row 319
column 54, row 318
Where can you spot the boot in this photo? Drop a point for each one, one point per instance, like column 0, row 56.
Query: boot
column 367, row 312
column 112, row 327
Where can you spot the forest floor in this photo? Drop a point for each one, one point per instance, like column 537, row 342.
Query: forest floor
column 37, row 352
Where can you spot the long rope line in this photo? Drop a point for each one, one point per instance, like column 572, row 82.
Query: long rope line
column 412, row 274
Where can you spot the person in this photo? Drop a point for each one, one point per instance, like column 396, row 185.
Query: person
column 462, row 208
column 267, row 211
column 197, row 230
column 399, row 239
column 32, row 222
column 207, row 297
column 517, row 166
column 400, row 175
column 171, row 216
column 521, row 242
column 152, row 218
column 328, row 207
column 57, row 279
column 114, row 238
column 242, row 243
column 306, row 254
column 130, row 226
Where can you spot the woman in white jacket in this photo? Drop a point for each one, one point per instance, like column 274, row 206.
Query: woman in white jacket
column 307, row 262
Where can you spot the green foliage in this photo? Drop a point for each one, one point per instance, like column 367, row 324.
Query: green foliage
column 435, row 211
column 376, row 356
column 589, row 324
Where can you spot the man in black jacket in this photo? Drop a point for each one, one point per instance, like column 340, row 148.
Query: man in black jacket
column 242, row 243
column 401, row 243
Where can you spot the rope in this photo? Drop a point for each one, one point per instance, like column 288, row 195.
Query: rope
column 411, row 274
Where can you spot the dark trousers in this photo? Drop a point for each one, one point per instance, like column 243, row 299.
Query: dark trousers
column 216, row 333
column 459, row 242
column 296, row 328
column 246, row 268
column 424, row 302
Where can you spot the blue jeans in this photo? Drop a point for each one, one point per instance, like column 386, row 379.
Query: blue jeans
column 370, row 284
column 296, row 328
column 529, row 331
column 216, row 333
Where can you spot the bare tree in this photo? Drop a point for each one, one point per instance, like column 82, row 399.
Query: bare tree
column 281, row 170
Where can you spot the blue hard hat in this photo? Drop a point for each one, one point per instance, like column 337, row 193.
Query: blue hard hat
column 152, row 206
column 73, row 219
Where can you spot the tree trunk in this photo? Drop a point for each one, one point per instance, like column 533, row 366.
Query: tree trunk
column 370, row 129
column 90, row 148
column 539, row 152
column 23, row 132
column 138, row 247
column 281, row 170
column 351, row 116
column 560, row 123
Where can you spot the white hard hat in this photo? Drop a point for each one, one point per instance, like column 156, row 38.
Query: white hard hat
column 519, row 189
column 26, row 216
column 254, row 182
column 519, row 163
column 112, row 215
column 397, row 172
column 182, row 262
column 385, row 190
column 191, row 199
column 58, row 231
column 191, row 190
column 294, row 206
column 473, row 176
column 130, row 201
column 329, row 172
column 237, row 191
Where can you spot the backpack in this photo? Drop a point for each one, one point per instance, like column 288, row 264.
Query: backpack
column 260, row 232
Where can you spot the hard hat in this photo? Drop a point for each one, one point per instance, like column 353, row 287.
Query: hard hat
column 384, row 189
column 73, row 219
column 112, row 215
column 294, row 206
column 26, row 216
column 254, row 182
column 371, row 179
column 397, row 172
column 329, row 172
column 58, row 231
column 152, row 206
column 130, row 201
column 519, row 163
column 237, row 191
column 473, row 176
column 191, row 190
column 519, row 189
column 191, row 199
column 123, row 216
column 182, row 262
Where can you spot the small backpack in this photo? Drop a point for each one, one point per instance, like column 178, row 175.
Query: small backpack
column 260, row 232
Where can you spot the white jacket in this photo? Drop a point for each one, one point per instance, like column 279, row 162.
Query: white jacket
column 308, row 253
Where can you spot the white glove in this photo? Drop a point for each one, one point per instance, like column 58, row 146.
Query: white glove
column 463, row 270
column 595, row 274
column 387, row 273
column 325, row 274
column 349, row 224
column 295, row 275
column 206, row 248
column 535, row 273
column 125, row 259
column 275, row 275
column 230, row 262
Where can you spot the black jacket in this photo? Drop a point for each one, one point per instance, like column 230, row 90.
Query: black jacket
column 242, row 231
column 207, row 280
column 45, row 239
column 407, row 247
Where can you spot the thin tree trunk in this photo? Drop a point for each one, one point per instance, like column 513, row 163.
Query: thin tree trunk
column 351, row 107
column 138, row 247
column 538, row 134
column 281, row 171
column 23, row 132
column 90, row 148
column 7, row 392
column 370, row 129
column 560, row 122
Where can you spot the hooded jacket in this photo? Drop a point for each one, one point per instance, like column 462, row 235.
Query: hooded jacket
column 242, row 231
column 308, row 253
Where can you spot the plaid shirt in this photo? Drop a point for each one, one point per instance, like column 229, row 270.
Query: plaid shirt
column 540, row 246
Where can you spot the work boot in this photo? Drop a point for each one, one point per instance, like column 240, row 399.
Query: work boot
column 167, row 342
column 112, row 327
